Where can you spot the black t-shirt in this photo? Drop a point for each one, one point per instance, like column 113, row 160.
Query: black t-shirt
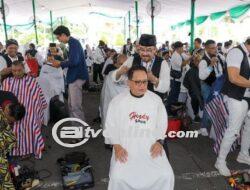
column 7, row 96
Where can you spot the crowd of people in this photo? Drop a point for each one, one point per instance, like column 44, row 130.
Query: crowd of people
column 140, row 85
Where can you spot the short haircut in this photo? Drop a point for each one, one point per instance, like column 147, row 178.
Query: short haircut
column 135, row 68
column 198, row 40
column 219, row 44
column 15, row 63
column 247, row 41
column 17, row 111
column 61, row 30
column 227, row 44
column 209, row 42
column 32, row 45
column 101, row 43
column 165, row 53
column 178, row 44
column 52, row 44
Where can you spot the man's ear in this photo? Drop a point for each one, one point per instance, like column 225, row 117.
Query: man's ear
column 155, row 50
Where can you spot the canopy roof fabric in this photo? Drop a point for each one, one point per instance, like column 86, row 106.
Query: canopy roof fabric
column 173, row 11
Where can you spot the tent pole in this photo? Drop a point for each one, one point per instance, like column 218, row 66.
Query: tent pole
column 152, row 16
column 137, row 19
column 192, row 24
column 61, row 19
column 4, row 20
column 124, row 28
column 34, row 19
column 129, row 24
column 51, row 25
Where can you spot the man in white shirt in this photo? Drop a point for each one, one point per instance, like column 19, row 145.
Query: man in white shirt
column 99, row 59
column 237, row 88
column 210, row 68
column 136, row 126
column 178, row 62
column 158, row 69
column 127, row 49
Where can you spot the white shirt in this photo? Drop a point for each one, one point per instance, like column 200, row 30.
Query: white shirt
column 3, row 63
column 176, row 61
column 234, row 59
column 164, row 77
column 136, row 124
column 99, row 56
column 205, row 70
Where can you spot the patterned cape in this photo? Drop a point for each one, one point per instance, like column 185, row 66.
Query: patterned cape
column 7, row 142
column 28, row 130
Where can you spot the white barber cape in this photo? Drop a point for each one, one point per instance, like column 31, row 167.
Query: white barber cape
column 136, row 124
column 110, row 89
column 52, row 83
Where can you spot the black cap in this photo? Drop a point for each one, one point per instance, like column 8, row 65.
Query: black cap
column 11, row 42
column 147, row 40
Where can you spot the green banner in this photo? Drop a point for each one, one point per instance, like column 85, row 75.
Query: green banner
column 217, row 15
column 237, row 12
column 201, row 19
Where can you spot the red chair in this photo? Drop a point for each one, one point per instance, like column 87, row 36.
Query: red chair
column 174, row 124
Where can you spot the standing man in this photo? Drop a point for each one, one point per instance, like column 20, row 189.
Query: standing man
column 127, row 48
column 99, row 60
column 210, row 68
column 77, row 73
column 178, row 65
column 237, row 88
column 157, row 69
column 136, row 126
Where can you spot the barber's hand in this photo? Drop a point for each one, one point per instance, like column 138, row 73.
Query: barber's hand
column 156, row 150
column 120, row 154
column 6, row 71
column 56, row 63
column 151, row 77
column 214, row 61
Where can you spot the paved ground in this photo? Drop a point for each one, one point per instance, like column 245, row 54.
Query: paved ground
column 192, row 159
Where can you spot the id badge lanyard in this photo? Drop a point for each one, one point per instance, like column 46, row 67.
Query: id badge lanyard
column 149, row 66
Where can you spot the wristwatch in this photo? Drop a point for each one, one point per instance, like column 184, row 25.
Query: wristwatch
column 160, row 141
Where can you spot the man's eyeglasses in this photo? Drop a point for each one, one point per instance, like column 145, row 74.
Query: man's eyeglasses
column 140, row 82
column 146, row 50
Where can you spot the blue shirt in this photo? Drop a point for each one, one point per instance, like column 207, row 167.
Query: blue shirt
column 76, row 64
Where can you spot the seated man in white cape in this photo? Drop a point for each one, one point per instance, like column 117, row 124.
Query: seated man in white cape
column 136, row 124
